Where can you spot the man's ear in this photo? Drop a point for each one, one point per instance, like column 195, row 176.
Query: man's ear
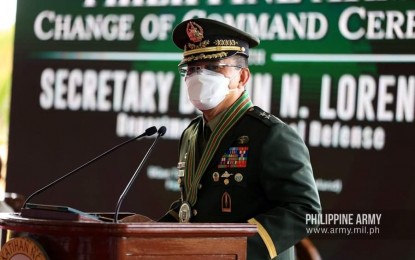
column 245, row 75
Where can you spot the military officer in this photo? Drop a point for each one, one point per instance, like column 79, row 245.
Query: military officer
column 238, row 163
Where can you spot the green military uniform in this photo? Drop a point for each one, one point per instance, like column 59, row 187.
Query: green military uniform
column 254, row 168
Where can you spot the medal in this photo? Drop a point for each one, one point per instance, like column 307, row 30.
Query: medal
column 185, row 213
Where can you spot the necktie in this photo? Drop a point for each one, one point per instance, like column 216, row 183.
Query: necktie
column 206, row 132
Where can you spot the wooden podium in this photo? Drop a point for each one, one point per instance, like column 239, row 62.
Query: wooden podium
column 62, row 239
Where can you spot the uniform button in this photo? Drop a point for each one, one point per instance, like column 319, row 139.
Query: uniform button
column 194, row 212
column 200, row 186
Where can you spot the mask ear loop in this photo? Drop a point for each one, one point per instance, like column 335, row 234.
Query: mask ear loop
column 232, row 78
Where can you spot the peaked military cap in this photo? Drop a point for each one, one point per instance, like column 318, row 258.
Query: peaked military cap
column 206, row 39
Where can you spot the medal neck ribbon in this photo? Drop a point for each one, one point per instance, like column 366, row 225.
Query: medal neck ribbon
column 228, row 120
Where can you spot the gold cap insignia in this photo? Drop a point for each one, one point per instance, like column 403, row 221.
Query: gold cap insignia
column 194, row 31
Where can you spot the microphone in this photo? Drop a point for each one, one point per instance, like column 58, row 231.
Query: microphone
column 148, row 132
column 161, row 132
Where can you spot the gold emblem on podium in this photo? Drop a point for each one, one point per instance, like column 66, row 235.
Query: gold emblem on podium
column 17, row 247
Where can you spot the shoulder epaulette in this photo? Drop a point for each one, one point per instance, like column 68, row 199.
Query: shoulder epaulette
column 263, row 116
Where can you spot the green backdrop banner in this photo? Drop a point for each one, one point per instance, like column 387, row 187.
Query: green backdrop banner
column 90, row 74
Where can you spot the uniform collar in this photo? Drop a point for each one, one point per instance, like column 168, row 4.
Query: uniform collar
column 212, row 124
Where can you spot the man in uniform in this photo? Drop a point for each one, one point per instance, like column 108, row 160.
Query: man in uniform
column 237, row 162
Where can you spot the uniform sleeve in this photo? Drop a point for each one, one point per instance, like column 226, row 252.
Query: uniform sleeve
column 287, row 179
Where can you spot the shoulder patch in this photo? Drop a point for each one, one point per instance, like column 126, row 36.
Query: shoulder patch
column 263, row 116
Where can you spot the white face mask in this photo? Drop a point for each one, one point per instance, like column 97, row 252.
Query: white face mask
column 206, row 88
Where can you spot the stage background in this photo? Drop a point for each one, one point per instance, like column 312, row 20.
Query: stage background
column 90, row 74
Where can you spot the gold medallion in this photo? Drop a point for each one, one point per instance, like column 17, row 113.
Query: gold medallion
column 185, row 213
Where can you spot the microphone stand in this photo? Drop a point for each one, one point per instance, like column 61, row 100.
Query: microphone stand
column 150, row 131
column 161, row 132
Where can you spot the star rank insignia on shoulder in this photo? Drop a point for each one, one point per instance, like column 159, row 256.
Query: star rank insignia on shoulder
column 265, row 115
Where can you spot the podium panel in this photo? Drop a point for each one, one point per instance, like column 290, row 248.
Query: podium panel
column 62, row 239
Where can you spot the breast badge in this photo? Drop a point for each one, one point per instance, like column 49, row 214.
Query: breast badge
column 226, row 203
column 226, row 176
column 215, row 176
column 239, row 177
